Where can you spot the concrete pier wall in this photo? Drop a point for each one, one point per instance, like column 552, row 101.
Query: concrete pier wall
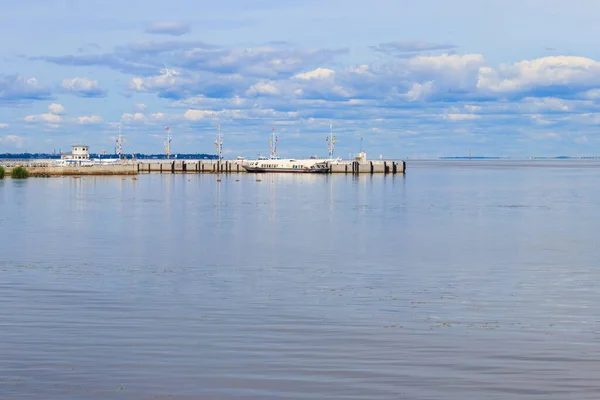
column 235, row 166
column 195, row 167
column 126, row 169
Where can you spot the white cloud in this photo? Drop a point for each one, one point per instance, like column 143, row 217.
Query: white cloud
column 3, row 126
column 40, row 118
column 12, row 139
column 197, row 115
column 546, row 71
column 263, row 88
column 139, row 107
column 158, row 116
column 473, row 109
column 79, row 84
column 167, row 78
column 15, row 88
column 55, row 108
column 319, row 73
column 540, row 120
column 547, row 104
column 461, row 117
column 84, row 87
column 129, row 118
column 445, row 62
column 593, row 94
column 419, row 92
column 88, row 120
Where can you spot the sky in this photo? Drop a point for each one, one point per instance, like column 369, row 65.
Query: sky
column 397, row 78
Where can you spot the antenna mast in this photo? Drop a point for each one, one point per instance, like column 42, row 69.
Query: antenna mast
column 119, row 143
column 168, row 139
column 219, row 143
column 331, row 139
column 273, row 144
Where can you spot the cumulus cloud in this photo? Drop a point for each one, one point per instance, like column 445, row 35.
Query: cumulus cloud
column 43, row 118
column 408, row 48
column 263, row 88
column 145, row 58
column 55, row 108
column 15, row 88
column 172, row 84
column 172, row 28
column 419, row 92
column 15, row 140
column 159, row 116
column 546, row 104
column 89, row 120
column 83, row 87
column 196, row 115
column 168, row 78
column 139, row 107
column 542, row 75
column 473, row 109
column 3, row 125
column 319, row 73
column 461, row 117
column 132, row 118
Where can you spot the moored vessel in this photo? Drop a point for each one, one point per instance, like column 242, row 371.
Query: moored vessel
column 286, row 165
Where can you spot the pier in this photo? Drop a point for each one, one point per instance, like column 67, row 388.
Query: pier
column 41, row 168
column 235, row 166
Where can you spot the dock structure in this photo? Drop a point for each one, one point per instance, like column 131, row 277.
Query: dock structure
column 134, row 167
column 235, row 166
column 38, row 169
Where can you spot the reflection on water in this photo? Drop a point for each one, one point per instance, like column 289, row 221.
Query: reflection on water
column 451, row 282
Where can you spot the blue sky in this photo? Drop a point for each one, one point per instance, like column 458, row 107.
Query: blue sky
column 414, row 79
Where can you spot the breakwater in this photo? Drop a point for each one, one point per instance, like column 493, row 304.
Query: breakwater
column 43, row 170
column 133, row 167
column 235, row 166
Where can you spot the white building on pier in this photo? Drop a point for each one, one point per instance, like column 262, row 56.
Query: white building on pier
column 78, row 152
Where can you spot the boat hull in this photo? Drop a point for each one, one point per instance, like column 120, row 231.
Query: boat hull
column 287, row 170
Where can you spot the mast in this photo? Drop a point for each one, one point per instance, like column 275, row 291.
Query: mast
column 168, row 139
column 119, row 144
column 331, row 139
column 219, row 143
column 273, row 144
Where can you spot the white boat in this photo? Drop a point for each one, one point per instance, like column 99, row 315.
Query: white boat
column 276, row 164
column 286, row 165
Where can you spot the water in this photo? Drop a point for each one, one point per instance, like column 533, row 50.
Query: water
column 460, row 280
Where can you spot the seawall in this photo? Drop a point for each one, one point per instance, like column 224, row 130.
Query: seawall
column 45, row 168
column 235, row 166
column 40, row 170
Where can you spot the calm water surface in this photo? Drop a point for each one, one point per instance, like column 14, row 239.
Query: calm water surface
column 460, row 280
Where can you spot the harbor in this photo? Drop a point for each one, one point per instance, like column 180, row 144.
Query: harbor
column 80, row 162
column 41, row 168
